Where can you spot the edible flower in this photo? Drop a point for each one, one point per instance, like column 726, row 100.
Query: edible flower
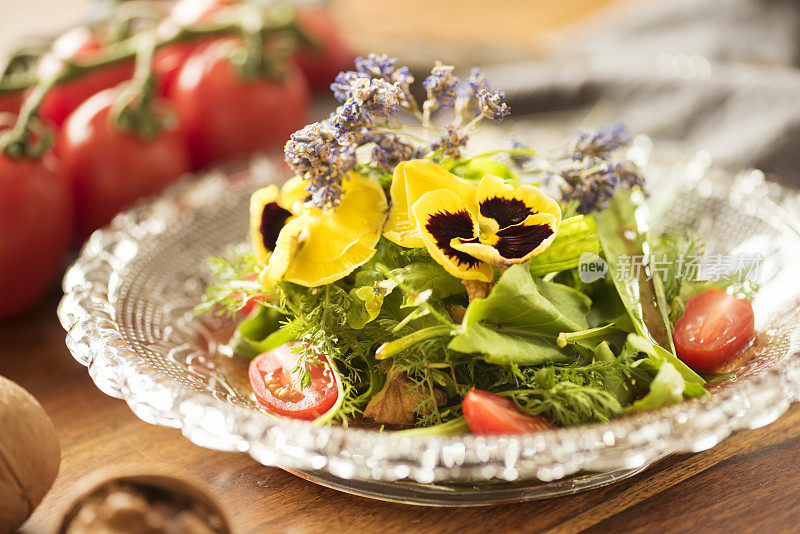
column 469, row 230
column 270, row 209
column 318, row 246
column 410, row 181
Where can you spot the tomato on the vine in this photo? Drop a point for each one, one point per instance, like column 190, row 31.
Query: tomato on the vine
column 78, row 44
column 223, row 115
column 11, row 102
column 167, row 61
column 271, row 380
column 714, row 327
column 321, row 64
column 489, row 414
column 110, row 168
column 35, row 228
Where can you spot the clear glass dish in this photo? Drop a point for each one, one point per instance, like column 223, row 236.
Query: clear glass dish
column 128, row 306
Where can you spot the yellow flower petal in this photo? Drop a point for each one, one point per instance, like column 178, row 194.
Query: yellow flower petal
column 320, row 247
column 443, row 218
column 267, row 218
column 293, row 194
column 507, row 204
column 411, row 180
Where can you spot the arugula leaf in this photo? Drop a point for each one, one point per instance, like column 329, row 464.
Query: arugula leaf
column 576, row 236
column 518, row 322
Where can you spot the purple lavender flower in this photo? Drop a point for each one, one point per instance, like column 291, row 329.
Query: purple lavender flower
column 441, row 86
column 594, row 184
column 342, row 86
column 476, row 82
column 600, row 143
column 492, row 105
column 451, row 143
column 315, row 153
column 390, row 150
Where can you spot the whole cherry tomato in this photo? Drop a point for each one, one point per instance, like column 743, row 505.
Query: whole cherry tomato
column 321, row 64
column 168, row 61
column 223, row 115
column 11, row 102
column 489, row 415
column 110, row 168
column 714, row 327
column 78, row 44
column 35, row 228
column 271, row 380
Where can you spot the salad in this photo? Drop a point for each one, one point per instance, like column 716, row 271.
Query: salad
column 399, row 281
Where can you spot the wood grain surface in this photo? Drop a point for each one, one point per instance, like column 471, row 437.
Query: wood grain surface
column 749, row 483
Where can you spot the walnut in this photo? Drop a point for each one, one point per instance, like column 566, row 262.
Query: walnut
column 144, row 504
column 400, row 399
column 29, row 454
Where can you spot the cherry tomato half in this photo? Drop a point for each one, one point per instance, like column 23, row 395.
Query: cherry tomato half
column 110, row 168
column 11, row 102
column 321, row 64
column 82, row 45
column 223, row 116
column 270, row 378
column 488, row 414
column 714, row 327
column 35, row 228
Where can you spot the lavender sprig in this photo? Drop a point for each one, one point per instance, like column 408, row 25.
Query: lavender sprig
column 325, row 152
column 592, row 176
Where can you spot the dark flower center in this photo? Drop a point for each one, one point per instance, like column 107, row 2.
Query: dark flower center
column 518, row 241
column 445, row 226
column 506, row 211
column 273, row 218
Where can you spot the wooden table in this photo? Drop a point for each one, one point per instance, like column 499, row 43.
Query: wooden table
column 749, row 483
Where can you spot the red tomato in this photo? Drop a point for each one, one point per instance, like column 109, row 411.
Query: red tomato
column 321, row 65
column 224, row 116
column 110, row 168
column 167, row 62
column 11, row 102
column 35, row 228
column 270, row 378
column 82, row 45
column 488, row 414
column 714, row 327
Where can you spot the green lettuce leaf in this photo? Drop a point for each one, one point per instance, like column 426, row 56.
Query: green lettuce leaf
column 518, row 322
column 576, row 236
column 666, row 389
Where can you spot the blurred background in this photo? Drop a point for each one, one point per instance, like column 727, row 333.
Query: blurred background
column 715, row 77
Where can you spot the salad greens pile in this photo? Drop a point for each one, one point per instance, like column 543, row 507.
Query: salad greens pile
column 538, row 308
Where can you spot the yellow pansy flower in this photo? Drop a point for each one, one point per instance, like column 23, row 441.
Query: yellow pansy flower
column 411, row 180
column 318, row 247
column 499, row 226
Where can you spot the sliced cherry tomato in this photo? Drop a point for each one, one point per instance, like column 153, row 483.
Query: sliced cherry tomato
column 35, row 228
column 223, row 116
column 714, row 327
column 270, row 378
column 321, row 64
column 488, row 414
column 78, row 44
column 110, row 168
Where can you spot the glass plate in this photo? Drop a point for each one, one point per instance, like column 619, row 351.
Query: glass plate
column 128, row 305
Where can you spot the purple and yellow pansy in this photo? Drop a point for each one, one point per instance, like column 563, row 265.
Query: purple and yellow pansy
column 310, row 246
column 467, row 229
